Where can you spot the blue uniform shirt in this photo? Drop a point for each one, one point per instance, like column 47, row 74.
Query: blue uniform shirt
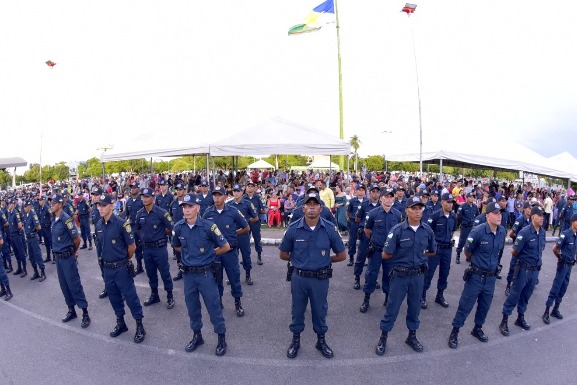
column 567, row 244
column 530, row 244
column 245, row 207
column 45, row 216
column 164, row 201
column 132, row 208
column 443, row 226
column 485, row 246
column 152, row 225
column 381, row 223
column 256, row 202
column 197, row 243
column 176, row 211
column 400, row 205
column 353, row 207
column 63, row 233
column 30, row 222
column 227, row 221
column 326, row 214
column 68, row 208
column 83, row 209
column 466, row 213
column 480, row 219
column 95, row 214
column 311, row 249
column 408, row 247
column 520, row 223
column 13, row 221
column 204, row 202
column 113, row 238
column 364, row 210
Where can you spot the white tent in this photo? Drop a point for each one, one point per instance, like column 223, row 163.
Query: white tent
column 323, row 164
column 567, row 162
column 260, row 164
column 155, row 153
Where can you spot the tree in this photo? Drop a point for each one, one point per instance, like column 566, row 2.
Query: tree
column 355, row 143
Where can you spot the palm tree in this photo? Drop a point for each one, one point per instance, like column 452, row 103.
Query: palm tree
column 355, row 144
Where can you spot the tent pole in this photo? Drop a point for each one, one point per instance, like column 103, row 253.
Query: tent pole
column 213, row 172
column 441, row 170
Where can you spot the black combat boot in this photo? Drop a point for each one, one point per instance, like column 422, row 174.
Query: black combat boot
column 89, row 245
column 83, row 246
column 238, row 308
column 2, row 290
column 42, row 275
column 545, row 316
column 413, row 342
column 48, row 259
column 85, row 319
column 382, row 345
column 458, row 259
column 103, row 294
column 424, row 300
column 357, row 284
column 454, row 338
column 503, row 327
column 169, row 300
column 70, row 315
column 24, row 272
column 365, row 305
column 8, row 293
column 323, row 347
column 119, row 328
column 178, row 276
column 140, row 332
column 221, row 345
column 195, row 342
column 35, row 275
column 154, row 298
column 555, row 312
column 520, row 321
column 248, row 278
column 294, row 347
column 19, row 269
column 259, row 259
column 351, row 261
column 139, row 268
column 440, row 299
column 9, row 268
column 478, row 333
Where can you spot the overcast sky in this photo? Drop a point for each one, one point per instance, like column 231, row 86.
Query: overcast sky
column 142, row 74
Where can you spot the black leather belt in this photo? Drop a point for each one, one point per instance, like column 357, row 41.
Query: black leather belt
column 31, row 235
column 406, row 272
column 155, row 244
column 441, row 245
column 485, row 273
column 196, row 269
column 63, row 255
column 529, row 267
column 114, row 265
column 320, row 274
column 570, row 263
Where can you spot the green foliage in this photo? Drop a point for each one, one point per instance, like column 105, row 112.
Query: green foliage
column 5, row 178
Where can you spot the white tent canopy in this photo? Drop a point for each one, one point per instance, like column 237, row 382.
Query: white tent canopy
column 323, row 164
column 155, row 153
column 566, row 162
column 260, row 164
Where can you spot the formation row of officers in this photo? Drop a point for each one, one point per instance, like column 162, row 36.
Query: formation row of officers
column 405, row 246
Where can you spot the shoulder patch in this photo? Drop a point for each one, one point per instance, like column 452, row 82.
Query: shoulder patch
column 70, row 225
column 562, row 236
column 167, row 215
column 214, row 228
column 470, row 239
column 127, row 227
column 520, row 237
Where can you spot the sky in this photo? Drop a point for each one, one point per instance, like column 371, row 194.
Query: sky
column 137, row 75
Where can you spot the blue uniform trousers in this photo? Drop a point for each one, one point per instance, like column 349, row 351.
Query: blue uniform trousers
column 3, row 276
column 399, row 287
column 353, row 235
column 478, row 289
column 119, row 283
column 47, row 236
column 139, row 252
column 443, row 260
column 244, row 247
column 465, row 230
column 5, row 250
column 511, row 269
column 156, row 259
column 34, row 253
column 16, row 240
column 521, row 290
column 371, row 274
column 362, row 254
column 230, row 264
column 560, row 283
column 305, row 289
column 85, row 230
column 255, row 231
column 70, row 284
column 205, row 285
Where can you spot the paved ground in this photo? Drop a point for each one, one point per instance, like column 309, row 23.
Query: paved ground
column 37, row 348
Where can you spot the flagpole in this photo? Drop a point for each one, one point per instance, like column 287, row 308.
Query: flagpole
column 341, row 127
column 419, row 99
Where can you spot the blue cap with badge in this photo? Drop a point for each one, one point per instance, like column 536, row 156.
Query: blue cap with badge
column 413, row 201
column 219, row 190
column 314, row 196
column 105, row 200
column 147, row 192
column 189, row 199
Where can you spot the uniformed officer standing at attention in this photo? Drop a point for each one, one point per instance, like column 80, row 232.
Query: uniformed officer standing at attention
column 83, row 212
column 45, row 218
column 466, row 214
column 521, row 222
column 231, row 223
column 482, row 250
column 199, row 241
column 67, row 206
column 528, row 249
column 205, row 198
column 65, row 242
column 255, row 226
column 133, row 205
column 443, row 223
column 428, row 209
column 379, row 223
column 351, row 213
column 307, row 245
column 566, row 213
column 434, row 204
column 164, row 199
column 248, row 210
column 4, row 281
column 31, row 228
column 115, row 247
column 360, row 218
column 153, row 225
column 408, row 246
column 564, row 249
column 95, row 194
column 5, row 246
column 15, row 229
column 177, row 214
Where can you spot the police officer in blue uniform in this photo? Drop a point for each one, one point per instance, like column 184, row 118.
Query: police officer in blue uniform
column 351, row 213
column 521, row 222
column 65, row 242
column 31, row 227
column 482, row 251
column 466, row 214
column 45, row 218
column 434, row 204
column 15, row 228
column 83, row 213
column 566, row 213
column 153, row 225
column 232, row 224
column 67, row 206
column 177, row 214
column 204, row 198
column 199, row 241
column 307, row 245
column 254, row 198
column 443, row 223
column 247, row 209
column 400, row 201
column 115, row 247
column 360, row 218
column 564, row 249
column 408, row 246
column 5, row 247
column 5, row 290
column 379, row 223
column 165, row 198
column 428, row 209
column 528, row 249
column 95, row 195
column 133, row 205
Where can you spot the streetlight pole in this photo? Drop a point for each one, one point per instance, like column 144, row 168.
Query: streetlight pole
column 384, row 155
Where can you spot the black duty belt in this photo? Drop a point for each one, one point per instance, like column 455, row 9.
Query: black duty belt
column 529, row 267
column 466, row 225
column 441, row 245
column 196, row 269
column 570, row 263
column 31, row 235
column 63, row 255
column 319, row 274
column 484, row 273
column 155, row 244
column 114, row 265
column 407, row 272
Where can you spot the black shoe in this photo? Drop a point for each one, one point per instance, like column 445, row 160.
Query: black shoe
column 503, row 327
column 35, row 276
column 9, row 268
column 323, row 347
column 70, row 315
column 357, row 284
column 48, row 259
column 90, row 247
column 377, row 285
column 458, row 259
column 85, row 321
column 351, row 262
column 169, row 300
column 259, row 259
column 8, row 293
column 221, row 345
column 424, row 302
column 294, row 347
column 238, row 308
column 507, row 290
column 454, row 338
column 195, row 342
column 249, row 279
column 2, row 290
column 83, row 246
column 154, row 298
column 103, row 294
column 478, row 333
column 54, row 261
column 139, row 268
column 440, row 299
column 42, row 276
column 178, row 276
column 520, row 321
column 140, row 332
column 545, row 316
column 18, row 270
column 555, row 312
column 119, row 328
column 365, row 305
column 382, row 345
column 413, row 342
column 24, row 272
